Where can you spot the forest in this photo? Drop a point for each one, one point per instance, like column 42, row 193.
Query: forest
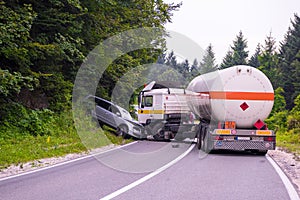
column 43, row 44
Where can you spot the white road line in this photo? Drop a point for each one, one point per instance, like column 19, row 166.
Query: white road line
column 286, row 181
column 64, row 163
column 149, row 176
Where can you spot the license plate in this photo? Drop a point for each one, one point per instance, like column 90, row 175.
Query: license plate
column 244, row 138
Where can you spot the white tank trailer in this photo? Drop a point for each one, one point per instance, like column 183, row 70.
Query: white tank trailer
column 232, row 105
column 242, row 94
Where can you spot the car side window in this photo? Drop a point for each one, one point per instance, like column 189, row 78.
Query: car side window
column 102, row 104
column 115, row 110
column 147, row 101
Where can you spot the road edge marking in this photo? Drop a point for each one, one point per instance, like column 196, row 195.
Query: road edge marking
column 64, row 163
column 149, row 176
column 286, row 181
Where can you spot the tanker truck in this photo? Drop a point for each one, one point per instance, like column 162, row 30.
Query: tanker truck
column 231, row 117
column 230, row 106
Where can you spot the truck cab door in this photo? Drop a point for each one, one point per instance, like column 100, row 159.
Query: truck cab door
column 145, row 108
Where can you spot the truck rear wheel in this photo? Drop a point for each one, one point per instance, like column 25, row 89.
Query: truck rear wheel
column 199, row 139
column 264, row 152
column 206, row 143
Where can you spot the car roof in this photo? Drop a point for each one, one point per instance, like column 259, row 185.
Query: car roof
column 95, row 97
column 119, row 107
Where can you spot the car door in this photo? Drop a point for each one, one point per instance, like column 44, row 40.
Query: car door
column 115, row 115
column 103, row 112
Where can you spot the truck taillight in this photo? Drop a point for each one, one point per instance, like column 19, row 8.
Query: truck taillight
column 219, row 138
column 269, row 139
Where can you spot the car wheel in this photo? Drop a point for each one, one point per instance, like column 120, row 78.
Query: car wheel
column 101, row 124
column 122, row 131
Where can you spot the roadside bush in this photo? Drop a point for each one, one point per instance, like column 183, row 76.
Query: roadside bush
column 278, row 121
column 287, row 126
column 293, row 121
column 27, row 121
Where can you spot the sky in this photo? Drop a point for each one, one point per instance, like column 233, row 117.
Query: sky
column 219, row 21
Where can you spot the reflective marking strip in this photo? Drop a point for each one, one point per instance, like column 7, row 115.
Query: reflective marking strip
column 147, row 112
column 223, row 131
column 259, row 96
column 263, row 132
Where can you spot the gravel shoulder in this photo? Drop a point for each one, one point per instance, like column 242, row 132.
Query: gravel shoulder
column 41, row 163
column 288, row 162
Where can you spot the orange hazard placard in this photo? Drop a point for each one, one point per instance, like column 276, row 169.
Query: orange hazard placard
column 230, row 125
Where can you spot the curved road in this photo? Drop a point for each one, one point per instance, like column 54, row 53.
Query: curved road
column 141, row 171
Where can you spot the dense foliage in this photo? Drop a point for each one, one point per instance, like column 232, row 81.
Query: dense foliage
column 42, row 46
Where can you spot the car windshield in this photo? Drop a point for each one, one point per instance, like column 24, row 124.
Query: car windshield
column 125, row 114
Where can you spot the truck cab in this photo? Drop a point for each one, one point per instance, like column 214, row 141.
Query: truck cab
column 163, row 109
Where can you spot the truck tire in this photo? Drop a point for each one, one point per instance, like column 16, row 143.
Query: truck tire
column 206, row 140
column 263, row 152
column 157, row 131
column 199, row 140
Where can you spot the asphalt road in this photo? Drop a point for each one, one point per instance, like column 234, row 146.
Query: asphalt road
column 223, row 175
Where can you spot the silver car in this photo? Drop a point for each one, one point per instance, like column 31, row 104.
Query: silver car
column 114, row 116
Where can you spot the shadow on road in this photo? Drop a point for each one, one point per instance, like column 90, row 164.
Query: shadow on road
column 237, row 153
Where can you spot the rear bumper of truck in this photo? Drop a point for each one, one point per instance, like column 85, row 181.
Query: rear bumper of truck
column 241, row 140
column 243, row 145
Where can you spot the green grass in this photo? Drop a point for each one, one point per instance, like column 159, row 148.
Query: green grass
column 26, row 148
column 289, row 141
column 17, row 146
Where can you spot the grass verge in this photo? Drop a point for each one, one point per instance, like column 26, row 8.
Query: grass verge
column 289, row 141
column 17, row 146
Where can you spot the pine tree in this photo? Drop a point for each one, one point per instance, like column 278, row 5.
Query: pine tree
column 227, row 60
column 171, row 60
column 254, row 62
column 208, row 62
column 269, row 59
column 185, row 68
column 237, row 55
column 287, row 72
column 195, row 68
column 296, row 65
column 161, row 59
